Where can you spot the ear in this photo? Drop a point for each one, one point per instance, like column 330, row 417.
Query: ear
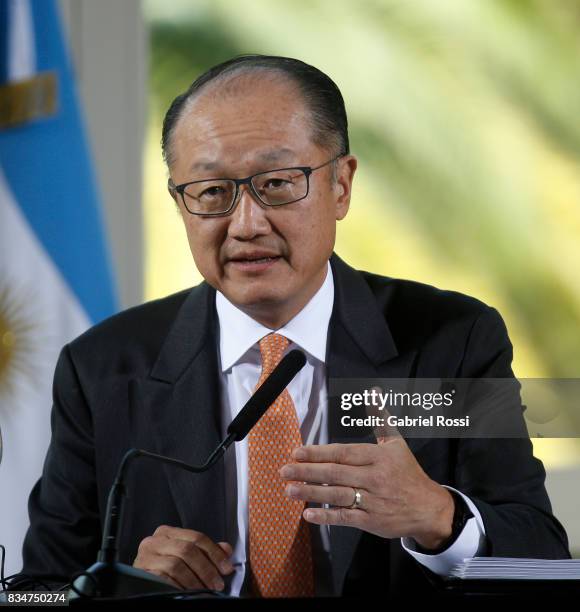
column 346, row 167
column 171, row 189
column 173, row 194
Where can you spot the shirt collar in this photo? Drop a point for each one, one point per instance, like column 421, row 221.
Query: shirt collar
column 308, row 329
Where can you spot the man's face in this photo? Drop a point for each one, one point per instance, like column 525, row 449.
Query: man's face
column 267, row 261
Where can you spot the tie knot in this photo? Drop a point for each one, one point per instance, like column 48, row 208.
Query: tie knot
column 272, row 348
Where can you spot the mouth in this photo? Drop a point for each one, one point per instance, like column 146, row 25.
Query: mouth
column 254, row 263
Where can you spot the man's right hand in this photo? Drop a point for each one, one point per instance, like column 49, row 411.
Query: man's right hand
column 185, row 558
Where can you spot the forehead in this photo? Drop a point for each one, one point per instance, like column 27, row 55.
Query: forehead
column 262, row 119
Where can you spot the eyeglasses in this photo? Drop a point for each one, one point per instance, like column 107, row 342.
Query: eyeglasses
column 273, row 188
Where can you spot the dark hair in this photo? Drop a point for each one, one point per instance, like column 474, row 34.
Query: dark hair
column 320, row 93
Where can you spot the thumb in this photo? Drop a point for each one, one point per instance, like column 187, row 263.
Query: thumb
column 227, row 548
column 384, row 432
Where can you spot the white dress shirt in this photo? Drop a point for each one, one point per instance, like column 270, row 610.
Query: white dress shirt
column 241, row 366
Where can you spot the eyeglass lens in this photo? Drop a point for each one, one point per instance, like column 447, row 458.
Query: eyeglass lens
column 273, row 188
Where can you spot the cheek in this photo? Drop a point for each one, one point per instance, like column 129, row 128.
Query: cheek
column 322, row 221
column 193, row 237
column 204, row 244
column 311, row 239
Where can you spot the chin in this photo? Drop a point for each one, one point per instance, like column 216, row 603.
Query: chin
column 257, row 300
column 245, row 288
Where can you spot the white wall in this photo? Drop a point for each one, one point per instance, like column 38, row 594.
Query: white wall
column 109, row 47
column 563, row 485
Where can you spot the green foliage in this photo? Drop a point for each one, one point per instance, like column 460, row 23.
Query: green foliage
column 180, row 53
column 464, row 115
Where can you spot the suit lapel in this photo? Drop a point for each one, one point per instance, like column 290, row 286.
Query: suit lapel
column 180, row 401
column 360, row 345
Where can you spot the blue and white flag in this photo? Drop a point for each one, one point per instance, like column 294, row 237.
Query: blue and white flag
column 55, row 278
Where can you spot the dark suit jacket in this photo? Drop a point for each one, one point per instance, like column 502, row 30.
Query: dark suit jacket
column 148, row 377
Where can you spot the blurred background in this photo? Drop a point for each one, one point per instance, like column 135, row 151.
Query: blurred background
column 464, row 116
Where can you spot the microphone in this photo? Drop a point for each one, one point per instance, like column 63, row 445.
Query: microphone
column 266, row 394
column 107, row 577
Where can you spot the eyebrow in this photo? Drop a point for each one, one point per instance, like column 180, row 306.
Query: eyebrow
column 205, row 165
column 267, row 156
column 276, row 154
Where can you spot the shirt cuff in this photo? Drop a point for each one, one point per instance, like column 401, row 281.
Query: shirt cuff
column 469, row 544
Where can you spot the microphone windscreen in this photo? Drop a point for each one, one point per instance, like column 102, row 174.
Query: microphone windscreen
column 266, row 394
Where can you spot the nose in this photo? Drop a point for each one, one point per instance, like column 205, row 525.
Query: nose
column 249, row 218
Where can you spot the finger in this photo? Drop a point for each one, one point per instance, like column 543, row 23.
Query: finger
column 345, row 454
column 227, row 548
column 165, row 577
column 326, row 473
column 217, row 555
column 174, row 568
column 201, row 565
column 335, row 496
column 190, row 554
column 345, row 517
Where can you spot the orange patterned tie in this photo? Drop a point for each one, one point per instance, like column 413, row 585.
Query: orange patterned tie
column 279, row 538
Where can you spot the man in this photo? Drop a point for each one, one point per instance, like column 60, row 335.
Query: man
column 259, row 163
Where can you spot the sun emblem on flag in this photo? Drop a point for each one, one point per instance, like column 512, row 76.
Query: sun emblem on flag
column 16, row 340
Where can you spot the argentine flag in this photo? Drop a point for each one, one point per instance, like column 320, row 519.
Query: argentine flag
column 55, row 278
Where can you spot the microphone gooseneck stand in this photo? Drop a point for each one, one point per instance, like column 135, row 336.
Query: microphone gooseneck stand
column 107, row 577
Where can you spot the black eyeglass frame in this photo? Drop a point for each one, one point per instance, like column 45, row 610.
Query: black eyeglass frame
column 307, row 170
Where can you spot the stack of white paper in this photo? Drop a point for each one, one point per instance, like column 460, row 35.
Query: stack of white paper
column 503, row 568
